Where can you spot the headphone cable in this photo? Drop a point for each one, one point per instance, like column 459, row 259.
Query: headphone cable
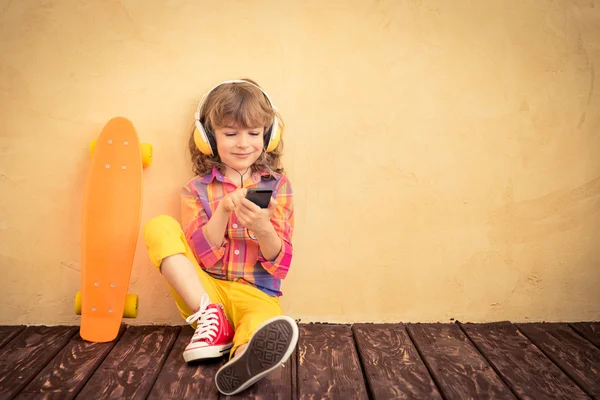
column 242, row 185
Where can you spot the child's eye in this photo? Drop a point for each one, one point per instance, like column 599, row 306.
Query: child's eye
column 255, row 133
column 230, row 134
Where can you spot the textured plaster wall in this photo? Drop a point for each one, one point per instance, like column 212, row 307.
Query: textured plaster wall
column 445, row 155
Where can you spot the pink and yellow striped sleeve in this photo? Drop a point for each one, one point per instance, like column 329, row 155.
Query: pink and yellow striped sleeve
column 194, row 219
column 283, row 222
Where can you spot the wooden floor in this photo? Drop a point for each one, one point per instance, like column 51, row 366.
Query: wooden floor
column 413, row 361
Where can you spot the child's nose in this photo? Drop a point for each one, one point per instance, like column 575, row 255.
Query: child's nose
column 242, row 140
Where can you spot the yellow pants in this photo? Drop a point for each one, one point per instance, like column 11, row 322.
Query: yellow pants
column 246, row 306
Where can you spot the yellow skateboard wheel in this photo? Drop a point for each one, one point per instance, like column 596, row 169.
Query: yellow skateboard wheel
column 146, row 154
column 131, row 306
column 78, row 303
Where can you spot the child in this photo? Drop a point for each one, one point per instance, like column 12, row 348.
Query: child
column 225, row 264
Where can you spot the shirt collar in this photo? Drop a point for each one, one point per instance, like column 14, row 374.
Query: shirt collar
column 209, row 177
column 216, row 174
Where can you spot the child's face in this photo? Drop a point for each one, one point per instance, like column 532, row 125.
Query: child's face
column 239, row 147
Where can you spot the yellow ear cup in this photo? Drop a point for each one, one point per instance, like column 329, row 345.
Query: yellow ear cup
column 201, row 143
column 275, row 136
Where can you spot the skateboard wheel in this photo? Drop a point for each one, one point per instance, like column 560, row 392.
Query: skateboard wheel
column 92, row 147
column 78, row 303
column 131, row 306
column 146, row 154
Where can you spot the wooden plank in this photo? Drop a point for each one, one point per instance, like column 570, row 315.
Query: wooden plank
column 131, row 368
column 328, row 365
column 528, row 372
column 277, row 385
column 180, row 380
column 589, row 330
column 294, row 373
column 577, row 357
column 392, row 364
column 458, row 369
column 66, row 374
column 7, row 333
column 28, row 353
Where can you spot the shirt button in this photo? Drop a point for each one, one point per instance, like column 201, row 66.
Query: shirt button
column 236, row 252
column 234, row 226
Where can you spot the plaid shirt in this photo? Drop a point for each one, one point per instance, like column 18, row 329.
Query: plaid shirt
column 239, row 257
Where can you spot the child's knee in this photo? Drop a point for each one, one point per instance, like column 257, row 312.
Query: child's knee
column 158, row 228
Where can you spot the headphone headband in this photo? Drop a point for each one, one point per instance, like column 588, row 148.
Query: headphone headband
column 197, row 115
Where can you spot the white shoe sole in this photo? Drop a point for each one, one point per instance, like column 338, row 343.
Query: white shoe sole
column 269, row 347
column 206, row 352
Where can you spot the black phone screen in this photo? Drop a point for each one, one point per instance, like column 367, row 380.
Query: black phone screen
column 260, row 197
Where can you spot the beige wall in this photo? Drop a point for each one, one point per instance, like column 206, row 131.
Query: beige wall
column 444, row 154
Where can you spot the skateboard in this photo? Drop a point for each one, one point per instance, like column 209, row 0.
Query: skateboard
column 111, row 213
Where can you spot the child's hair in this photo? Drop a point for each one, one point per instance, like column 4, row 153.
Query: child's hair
column 246, row 106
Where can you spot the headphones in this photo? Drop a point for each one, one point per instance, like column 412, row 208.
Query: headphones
column 205, row 141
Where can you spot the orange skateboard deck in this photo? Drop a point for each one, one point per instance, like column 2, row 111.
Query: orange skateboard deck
column 112, row 204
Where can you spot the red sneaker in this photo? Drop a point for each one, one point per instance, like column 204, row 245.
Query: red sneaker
column 214, row 334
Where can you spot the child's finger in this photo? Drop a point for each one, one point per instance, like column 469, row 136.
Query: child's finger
column 244, row 211
column 235, row 198
column 273, row 203
column 240, row 216
column 249, row 205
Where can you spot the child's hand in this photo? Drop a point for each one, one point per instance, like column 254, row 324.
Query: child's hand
column 253, row 217
column 228, row 202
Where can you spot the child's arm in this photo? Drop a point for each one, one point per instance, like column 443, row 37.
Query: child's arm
column 282, row 222
column 206, row 234
column 193, row 220
column 273, row 228
column 214, row 229
column 269, row 241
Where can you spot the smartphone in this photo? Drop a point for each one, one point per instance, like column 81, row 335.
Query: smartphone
column 260, row 197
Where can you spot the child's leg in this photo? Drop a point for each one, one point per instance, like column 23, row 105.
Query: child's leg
column 179, row 271
column 170, row 252
column 194, row 290
column 264, row 339
column 253, row 314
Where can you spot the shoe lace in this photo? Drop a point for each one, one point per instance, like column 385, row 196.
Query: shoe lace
column 208, row 321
